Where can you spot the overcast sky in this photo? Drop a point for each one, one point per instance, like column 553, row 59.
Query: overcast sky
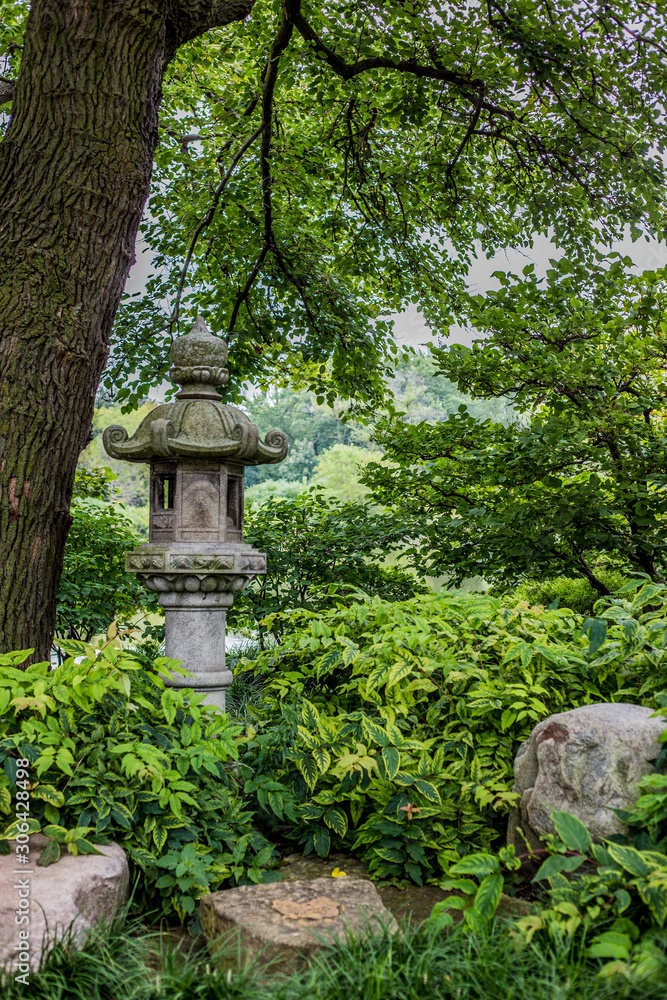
column 409, row 325
column 410, row 328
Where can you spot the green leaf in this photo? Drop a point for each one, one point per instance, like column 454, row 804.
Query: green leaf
column 392, row 761
column 628, row 858
column 597, row 633
column 476, row 864
column 655, row 897
column 13, row 829
column 50, row 854
column 55, row 832
column 398, row 673
column 337, row 820
column 122, row 815
column 611, row 945
column 428, row 790
column 375, row 732
column 558, row 863
column 488, row 895
column 571, row 831
column 322, row 758
column 322, row 841
column 48, row 794
column 309, row 770
column 310, row 715
column 159, row 837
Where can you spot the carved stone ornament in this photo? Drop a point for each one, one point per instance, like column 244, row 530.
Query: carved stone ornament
column 196, row 559
column 198, row 425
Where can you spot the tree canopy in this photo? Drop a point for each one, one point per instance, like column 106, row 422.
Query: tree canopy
column 321, row 165
column 581, row 471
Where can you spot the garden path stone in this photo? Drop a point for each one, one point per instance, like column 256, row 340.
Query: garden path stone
column 81, row 891
column 283, row 923
column 409, row 902
column 586, row 762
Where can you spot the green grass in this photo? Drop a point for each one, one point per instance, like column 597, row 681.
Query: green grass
column 416, row 965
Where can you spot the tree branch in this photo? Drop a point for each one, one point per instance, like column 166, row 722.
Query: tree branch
column 7, row 88
column 207, row 220
column 468, row 86
column 187, row 19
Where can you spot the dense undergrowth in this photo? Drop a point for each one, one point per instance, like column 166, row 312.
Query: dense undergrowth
column 390, row 730
column 108, row 753
column 385, row 730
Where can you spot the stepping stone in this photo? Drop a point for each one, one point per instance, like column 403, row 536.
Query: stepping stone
column 283, row 923
column 81, row 891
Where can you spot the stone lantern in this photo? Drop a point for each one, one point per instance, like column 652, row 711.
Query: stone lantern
column 196, row 559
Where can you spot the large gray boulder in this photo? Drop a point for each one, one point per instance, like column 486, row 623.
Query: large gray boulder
column 587, row 762
column 78, row 891
column 284, row 922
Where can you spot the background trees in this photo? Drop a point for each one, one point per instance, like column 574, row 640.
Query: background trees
column 577, row 481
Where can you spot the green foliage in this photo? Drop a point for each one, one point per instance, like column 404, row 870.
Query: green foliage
column 94, row 588
column 615, row 908
column 420, row 393
column 110, row 753
column 576, row 594
column 390, row 729
column 131, row 478
column 647, row 818
column 319, row 552
column 127, row 963
column 338, row 471
column 381, row 185
column 582, row 472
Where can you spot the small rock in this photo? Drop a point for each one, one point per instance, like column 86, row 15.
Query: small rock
column 81, row 891
column 284, row 922
column 586, row 762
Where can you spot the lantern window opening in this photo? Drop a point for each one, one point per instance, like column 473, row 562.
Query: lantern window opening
column 234, row 502
column 164, row 488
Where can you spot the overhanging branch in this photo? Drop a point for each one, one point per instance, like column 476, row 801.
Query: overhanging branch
column 469, row 87
column 188, row 19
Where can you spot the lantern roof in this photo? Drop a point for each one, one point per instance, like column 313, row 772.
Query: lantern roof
column 198, row 425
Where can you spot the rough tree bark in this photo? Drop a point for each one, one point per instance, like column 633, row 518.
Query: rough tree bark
column 75, row 168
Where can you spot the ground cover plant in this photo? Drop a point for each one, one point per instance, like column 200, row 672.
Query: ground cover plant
column 614, row 908
column 414, row 965
column 390, row 729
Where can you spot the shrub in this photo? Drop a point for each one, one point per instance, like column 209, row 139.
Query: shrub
column 390, row 729
column 615, row 908
column 577, row 595
column 113, row 754
column 319, row 552
column 94, row 588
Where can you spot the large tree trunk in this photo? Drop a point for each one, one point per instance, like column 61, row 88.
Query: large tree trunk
column 75, row 169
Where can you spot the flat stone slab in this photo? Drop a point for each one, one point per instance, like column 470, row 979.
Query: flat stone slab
column 285, row 922
column 79, row 891
column 411, row 903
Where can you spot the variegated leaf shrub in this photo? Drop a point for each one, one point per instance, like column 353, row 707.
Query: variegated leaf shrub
column 390, row 729
column 113, row 754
